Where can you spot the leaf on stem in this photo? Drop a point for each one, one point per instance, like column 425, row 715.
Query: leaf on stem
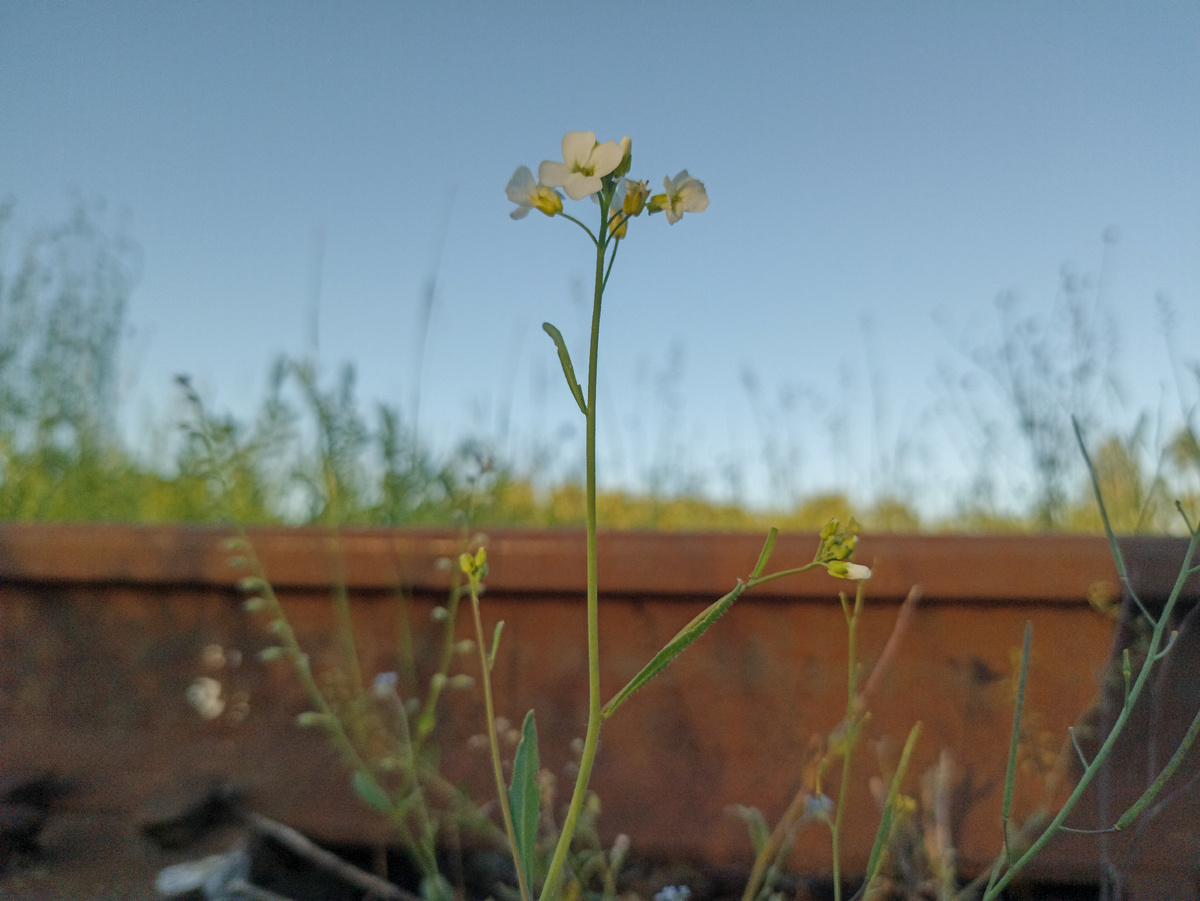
column 371, row 791
column 682, row 639
column 525, row 798
column 567, row 368
column 491, row 659
column 763, row 557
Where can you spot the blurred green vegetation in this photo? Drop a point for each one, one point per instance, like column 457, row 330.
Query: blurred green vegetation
column 313, row 454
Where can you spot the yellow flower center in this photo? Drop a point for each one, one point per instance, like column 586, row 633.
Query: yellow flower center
column 546, row 200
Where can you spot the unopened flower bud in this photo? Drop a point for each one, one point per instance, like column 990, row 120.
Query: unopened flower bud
column 618, row 223
column 626, row 157
column 845, row 570
column 636, row 193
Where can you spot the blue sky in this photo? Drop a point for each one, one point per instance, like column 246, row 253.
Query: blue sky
column 878, row 174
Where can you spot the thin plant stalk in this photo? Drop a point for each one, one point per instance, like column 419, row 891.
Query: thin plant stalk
column 591, row 169
column 1014, row 744
column 592, row 736
column 1133, row 690
column 793, row 817
column 485, row 667
column 290, row 648
column 854, row 719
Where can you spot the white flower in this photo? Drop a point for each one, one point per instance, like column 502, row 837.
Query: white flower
column 684, row 194
column 528, row 194
column 585, row 163
column 843, row 569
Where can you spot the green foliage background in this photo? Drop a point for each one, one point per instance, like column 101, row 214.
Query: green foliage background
column 313, row 454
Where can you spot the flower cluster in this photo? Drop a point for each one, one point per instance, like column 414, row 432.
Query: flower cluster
column 836, row 547
column 592, row 169
column 474, row 567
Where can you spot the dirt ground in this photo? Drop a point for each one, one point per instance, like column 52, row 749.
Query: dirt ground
column 76, row 854
column 91, row 859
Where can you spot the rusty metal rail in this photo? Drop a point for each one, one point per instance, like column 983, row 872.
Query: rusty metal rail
column 103, row 629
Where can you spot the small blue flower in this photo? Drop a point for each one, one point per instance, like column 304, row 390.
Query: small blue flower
column 817, row 806
column 674, row 893
column 384, row 685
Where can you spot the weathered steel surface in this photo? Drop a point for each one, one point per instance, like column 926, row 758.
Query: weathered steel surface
column 104, row 629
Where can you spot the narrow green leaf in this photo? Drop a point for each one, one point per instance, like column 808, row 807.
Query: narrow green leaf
column 889, row 807
column 766, row 553
column 371, row 791
column 756, row 824
column 567, row 368
column 491, row 661
column 682, row 639
column 1010, row 771
column 525, row 797
column 1147, row 798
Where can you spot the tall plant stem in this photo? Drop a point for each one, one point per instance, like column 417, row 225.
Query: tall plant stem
column 592, row 737
column 485, row 672
column 854, row 715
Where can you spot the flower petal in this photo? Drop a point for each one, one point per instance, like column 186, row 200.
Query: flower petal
column 579, row 186
column 605, row 158
column 577, row 147
column 554, row 175
column 521, row 185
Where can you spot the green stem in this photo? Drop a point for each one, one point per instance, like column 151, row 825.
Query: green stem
column 853, row 715
column 611, row 259
column 490, row 711
column 592, row 737
column 771, row 577
column 581, row 225
column 1118, row 726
